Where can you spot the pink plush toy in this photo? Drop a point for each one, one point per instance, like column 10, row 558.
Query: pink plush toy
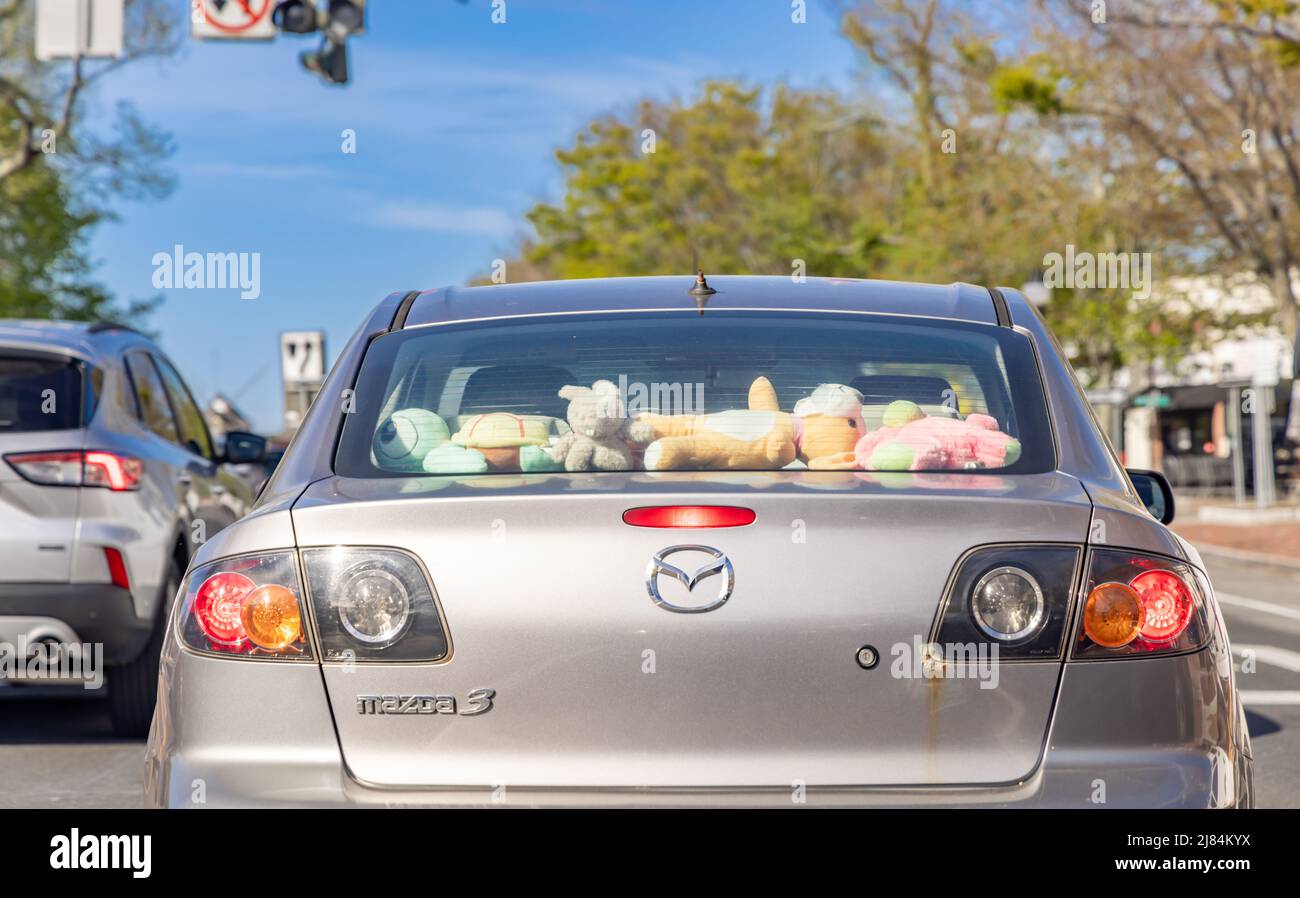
column 911, row 441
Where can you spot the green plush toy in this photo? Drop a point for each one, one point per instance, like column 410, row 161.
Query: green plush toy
column 892, row 456
column 452, row 459
column 900, row 412
column 534, row 459
column 405, row 437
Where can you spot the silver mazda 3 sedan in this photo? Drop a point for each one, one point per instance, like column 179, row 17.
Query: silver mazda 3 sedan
column 660, row 541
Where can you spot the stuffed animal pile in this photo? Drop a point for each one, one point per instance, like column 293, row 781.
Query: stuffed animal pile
column 827, row 431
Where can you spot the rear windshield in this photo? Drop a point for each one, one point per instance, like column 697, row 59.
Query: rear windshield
column 680, row 392
column 39, row 394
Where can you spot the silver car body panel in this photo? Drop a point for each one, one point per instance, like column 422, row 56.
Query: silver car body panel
column 559, row 624
column 746, row 703
column 1155, row 731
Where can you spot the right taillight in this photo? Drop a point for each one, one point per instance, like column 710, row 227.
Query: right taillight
column 1140, row 605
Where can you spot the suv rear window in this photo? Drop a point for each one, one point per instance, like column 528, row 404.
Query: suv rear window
column 678, row 391
column 39, row 394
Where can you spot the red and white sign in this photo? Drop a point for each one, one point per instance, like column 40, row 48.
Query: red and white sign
column 248, row 20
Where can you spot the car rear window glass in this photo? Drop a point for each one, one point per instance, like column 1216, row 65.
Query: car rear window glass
column 723, row 391
column 39, row 394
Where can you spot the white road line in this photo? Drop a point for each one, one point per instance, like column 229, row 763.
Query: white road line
column 1227, row 598
column 1259, row 697
column 1271, row 654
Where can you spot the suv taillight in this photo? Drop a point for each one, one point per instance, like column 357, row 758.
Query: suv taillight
column 74, row 467
column 1140, row 605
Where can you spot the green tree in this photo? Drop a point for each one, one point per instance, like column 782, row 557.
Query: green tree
column 727, row 182
column 56, row 173
column 1004, row 178
column 44, row 272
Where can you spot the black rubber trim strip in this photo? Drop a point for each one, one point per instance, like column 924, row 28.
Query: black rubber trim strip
column 1000, row 307
column 403, row 309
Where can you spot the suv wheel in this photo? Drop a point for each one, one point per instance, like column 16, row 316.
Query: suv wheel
column 133, row 687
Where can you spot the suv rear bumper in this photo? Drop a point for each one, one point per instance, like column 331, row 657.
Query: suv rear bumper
column 95, row 612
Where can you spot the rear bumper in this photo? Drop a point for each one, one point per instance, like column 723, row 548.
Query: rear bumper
column 94, row 612
column 1165, row 733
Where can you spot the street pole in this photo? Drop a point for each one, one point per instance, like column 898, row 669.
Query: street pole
column 1263, row 432
column 1238, row 446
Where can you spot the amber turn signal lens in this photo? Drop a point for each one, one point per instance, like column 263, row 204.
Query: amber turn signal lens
column 271, row 618
column 1113, row 615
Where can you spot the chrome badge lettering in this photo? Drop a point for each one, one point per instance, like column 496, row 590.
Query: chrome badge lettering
column 478, row 701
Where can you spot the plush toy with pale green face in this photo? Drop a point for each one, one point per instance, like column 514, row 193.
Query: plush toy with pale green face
column 405, row 437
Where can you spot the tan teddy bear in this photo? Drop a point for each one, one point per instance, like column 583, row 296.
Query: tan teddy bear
column 600, row 431
column 760, row 437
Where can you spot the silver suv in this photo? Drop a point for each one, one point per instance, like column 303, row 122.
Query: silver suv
column 109, row 480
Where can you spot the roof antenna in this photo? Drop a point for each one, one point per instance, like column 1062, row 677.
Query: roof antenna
column 701, row 291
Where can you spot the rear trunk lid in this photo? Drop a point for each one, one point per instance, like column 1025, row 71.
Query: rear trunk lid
column 543, row 590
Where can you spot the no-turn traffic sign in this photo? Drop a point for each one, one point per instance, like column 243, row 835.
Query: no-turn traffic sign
column 232, row 19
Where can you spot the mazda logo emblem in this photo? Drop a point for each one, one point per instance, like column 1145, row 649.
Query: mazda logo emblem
column 718, row 564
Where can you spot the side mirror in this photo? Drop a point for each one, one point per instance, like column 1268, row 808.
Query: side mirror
column 244, row 448
column 1156, row 493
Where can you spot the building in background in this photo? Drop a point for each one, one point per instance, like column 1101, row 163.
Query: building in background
column 1196, row 422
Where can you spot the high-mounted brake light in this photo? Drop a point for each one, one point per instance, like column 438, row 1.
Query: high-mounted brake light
column 73, row 467
column 689, row 516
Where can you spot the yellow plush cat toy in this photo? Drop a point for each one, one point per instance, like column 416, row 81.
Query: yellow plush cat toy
column 759, row 437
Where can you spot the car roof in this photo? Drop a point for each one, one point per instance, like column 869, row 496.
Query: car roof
column 965, row 302
column 83, row 339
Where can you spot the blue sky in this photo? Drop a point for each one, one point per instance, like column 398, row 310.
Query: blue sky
column 456, row 120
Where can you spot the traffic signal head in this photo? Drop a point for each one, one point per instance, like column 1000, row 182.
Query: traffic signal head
column 295, row 16
column 330, row 61
column 347, row 17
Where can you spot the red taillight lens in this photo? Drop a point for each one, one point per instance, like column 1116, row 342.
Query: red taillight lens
column 689, row 516
column 1168, row 604
column 77, row 468
column 116, row 568
column 1142, row 605
column 248, row 606
column 218, row 608
column 117, row 472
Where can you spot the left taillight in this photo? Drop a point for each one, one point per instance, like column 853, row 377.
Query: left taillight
column 249, row 606
column 75, row 467
column 1137, row 605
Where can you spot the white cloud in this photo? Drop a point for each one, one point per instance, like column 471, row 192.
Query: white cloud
column 440, row 218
